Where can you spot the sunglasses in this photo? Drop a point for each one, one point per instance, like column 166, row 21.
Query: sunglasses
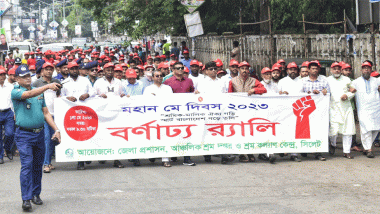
column 180, row 68
column 94, row 70
column 158, row 76
column 215, row 69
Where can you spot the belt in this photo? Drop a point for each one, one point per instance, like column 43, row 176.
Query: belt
column 38, row 130
column 5, row 110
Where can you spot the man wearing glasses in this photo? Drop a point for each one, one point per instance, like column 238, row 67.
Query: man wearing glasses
column 147, row 80
column 233, row 71
column 181, row 84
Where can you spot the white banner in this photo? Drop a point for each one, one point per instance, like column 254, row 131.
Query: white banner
column 190, row 125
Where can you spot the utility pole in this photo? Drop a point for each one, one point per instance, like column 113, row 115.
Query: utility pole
column 53, row 11
column 39, row 13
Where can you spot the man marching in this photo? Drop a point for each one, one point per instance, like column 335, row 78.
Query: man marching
column 341, row 112
column 31, row 113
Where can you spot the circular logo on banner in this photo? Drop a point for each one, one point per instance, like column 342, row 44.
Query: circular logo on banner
column 81, row 123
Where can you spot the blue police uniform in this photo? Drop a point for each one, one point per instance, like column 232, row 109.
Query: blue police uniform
column 29, row 137
column 6, row 119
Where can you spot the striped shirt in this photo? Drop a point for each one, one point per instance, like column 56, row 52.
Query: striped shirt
column 319, row 84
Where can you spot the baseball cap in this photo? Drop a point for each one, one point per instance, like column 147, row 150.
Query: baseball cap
column 12, row 71
column 130, row 73
column 244, row 63
column 2, row 70
column 110, row 64
column 118, row 68
column 47, row 64
column 32, row 67
column 185, row 52
column 22, row 70
column 346, row 65
column 194, row 62
column 234, row 62
column 266, row 70
column 305, row 64
column 72, row 64
column 314, row 62
column 366, row 64
column 292, row 65
column 281, row 61
column 335, row 64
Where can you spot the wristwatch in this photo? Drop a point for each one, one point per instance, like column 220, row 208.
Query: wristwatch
column 57, row 130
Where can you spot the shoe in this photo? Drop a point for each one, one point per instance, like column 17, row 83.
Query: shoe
column 1, row 161
column 272, row 158
column 51, row 167
column 370, row 155
column 348, row 156
column 263, row 157
column 357, row 149
column 81, row 166
column 26, row 205
column 9, row 155
column 118, row 164
column 102, row 162
column 208, row 159
column 243, row 158
column 320, row 157
column 251, row 158
column 37, row 200
column 304, row 155
column 88, row 162
column 46, row 169
column 295, row 158
column 175, row 159
column 281, row 155
column 365, row 153
column 224, row 161
column 166, row 164
column 152, row 160
column 189, row 163
column 136, row 162
column 332, row 149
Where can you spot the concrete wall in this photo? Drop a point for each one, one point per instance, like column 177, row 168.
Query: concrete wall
column 257, row 49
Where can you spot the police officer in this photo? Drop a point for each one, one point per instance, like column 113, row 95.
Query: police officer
column 31, row 113
column 6, row 116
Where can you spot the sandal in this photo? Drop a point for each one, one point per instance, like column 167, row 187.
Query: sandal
column 251, row 158
column 243, row 158
column 166, row 164
column 118, row 164
column 348, row 156
column 377, row 144
column 51, row 167
column 46, row 169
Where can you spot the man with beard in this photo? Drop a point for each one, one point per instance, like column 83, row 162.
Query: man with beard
column 194, row 72
column 316, row 84
column 245, row 83
column 368, row 104
column 266, row 74
column 232, row 71
column 108, row 87
column 282, row 65
column 276, row 74
column 291, row 84
column 77, row 87
column 341, row 112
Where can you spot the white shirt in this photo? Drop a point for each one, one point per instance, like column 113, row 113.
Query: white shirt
column 5, row 95
column 291, row 86
column 208, row 85
column 77, row 88
column 271, row 87
column 103, row 86
column 158, row 91
column 226, row 79
column 195, row 80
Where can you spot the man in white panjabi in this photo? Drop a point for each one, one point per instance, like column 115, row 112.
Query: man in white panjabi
column 272, row 87
column 341, row 112
column 159, row 89
column 368, row 105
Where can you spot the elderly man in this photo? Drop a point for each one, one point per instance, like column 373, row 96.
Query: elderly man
column 368, row 104
column 315, row 84
column 341, row 112
column 272, row 87
column 244, row 83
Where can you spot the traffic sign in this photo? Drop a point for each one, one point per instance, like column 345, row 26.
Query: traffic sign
column 53, row 24
column 65, row 23
column 17, row 30
column 4, row 6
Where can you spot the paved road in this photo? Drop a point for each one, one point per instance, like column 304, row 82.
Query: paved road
column 335, row 186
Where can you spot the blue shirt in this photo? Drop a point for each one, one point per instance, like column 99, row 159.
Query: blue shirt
column 135, row 89
column 186, row 63
column 175, row 51
column 59, row 77
column 28, row 112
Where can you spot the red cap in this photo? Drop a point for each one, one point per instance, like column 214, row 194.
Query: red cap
column 2, row 70
column 346, row 65
column 47, row 64
column 121, row 59
column 185, row 52
column 124, row 65
column 200, row 64
column 48, row 52
column 149, row 57
column 106, row 51
column 148, row 66
column 131, row 54
column 194, row 62
column 220, row 61
column 276, row 66
column 12, row 71
column 31, row 53
column 314, row 62
column 335, row 64
column 140, row 67
column 172, row 55
column 102, row 56
column 281, row 61
column 32, row 67
column 163, row 65
column 163, row 57
column 72, row 64
column 100, row 68
column 186, row 70
column 266, row 70
column 118, row 68
column 219, row 64
column 107, row 59
column 110, row 64
column 366, row 64
column 305, row 64
column 341, row 63
column 292, row 65
column 135, row 54
column 375, row 74
column 173, row 62
column 27, row 53
column 106, row 47
column 112, row 54
column 136, row 57
column 221, row 71
column 234, row 62
column 130, row 73
column 244, row 63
